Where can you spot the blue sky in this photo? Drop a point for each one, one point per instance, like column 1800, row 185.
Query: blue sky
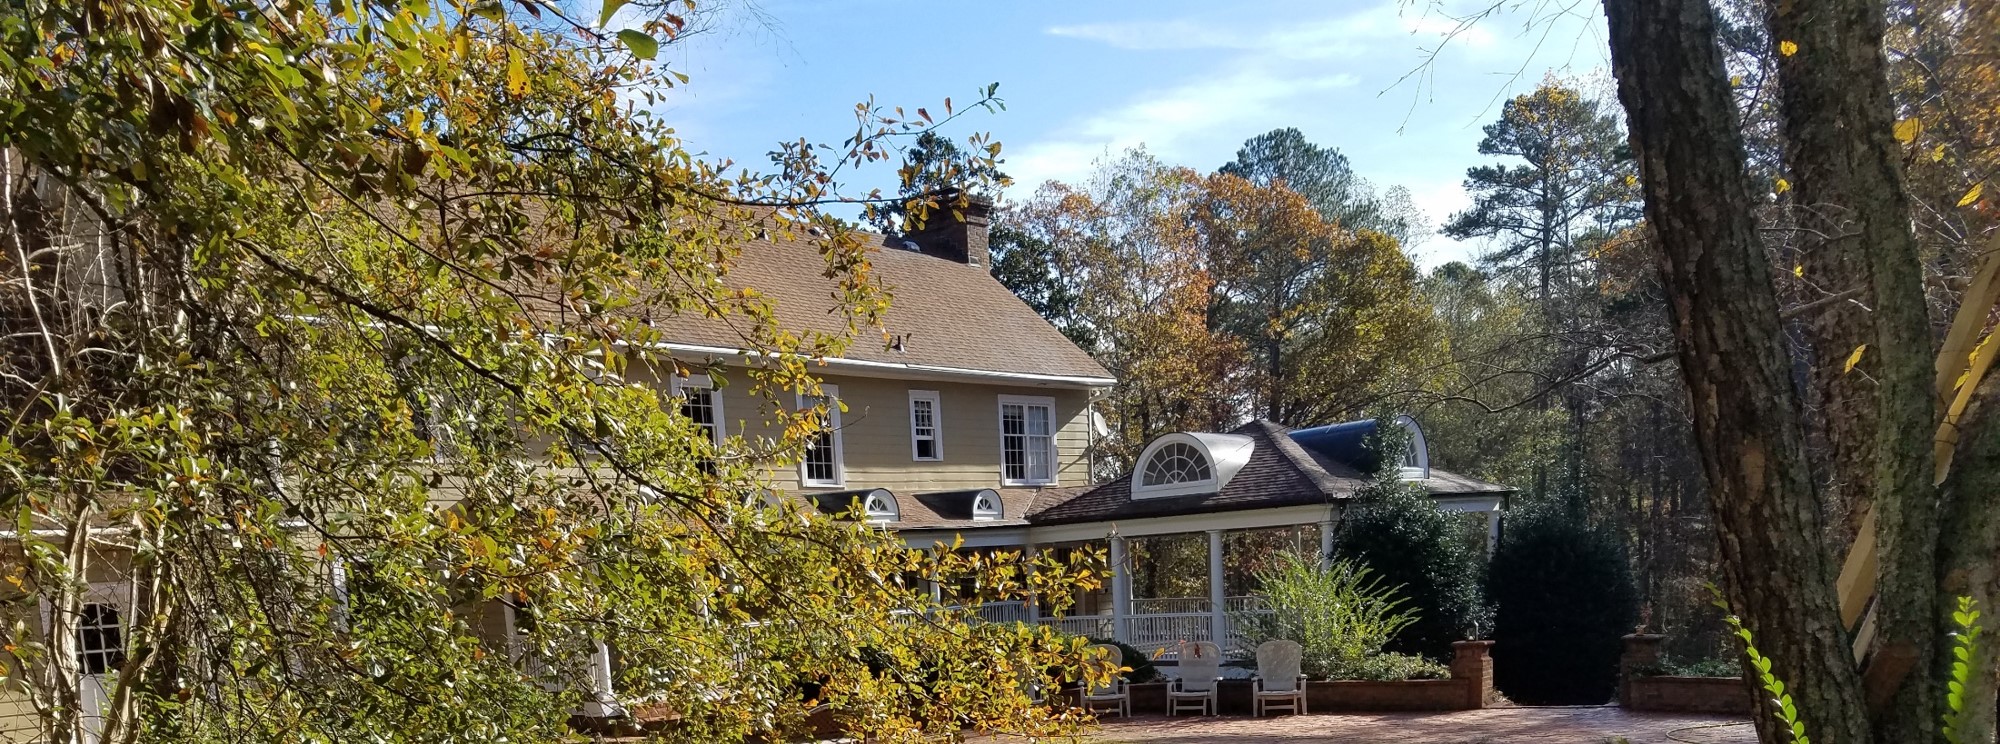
column 1189, row 80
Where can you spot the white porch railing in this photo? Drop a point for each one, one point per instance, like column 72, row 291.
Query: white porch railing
column 1158, row 632
column 1169, row 606
column 1088, row 626
column 1155, row 625
column 1004, row 612
column 1244, row 604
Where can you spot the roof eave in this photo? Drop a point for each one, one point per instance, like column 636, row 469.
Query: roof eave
column 910, row 371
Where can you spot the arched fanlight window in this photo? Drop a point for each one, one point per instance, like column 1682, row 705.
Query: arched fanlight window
column 986, row 506
column 1178, row 462
column 1416, row 463
column 1187, row 464
column 880, row 506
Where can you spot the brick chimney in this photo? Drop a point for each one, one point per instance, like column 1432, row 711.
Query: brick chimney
column 948, row 238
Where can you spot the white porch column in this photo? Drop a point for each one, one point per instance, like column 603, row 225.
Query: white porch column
column 1218, row 623
column 603, row 703
column 1121, row 588
column 1029, row 553
column 1492, row 532
column 1326, row 542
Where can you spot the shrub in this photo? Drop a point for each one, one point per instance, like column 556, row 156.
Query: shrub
column 1676, row 667
column 1400, row 535
column 1564, row 598
column 1341, row 616
column 1393, row 667
column 1140, row 664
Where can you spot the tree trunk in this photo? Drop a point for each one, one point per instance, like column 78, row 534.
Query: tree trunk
column 1732, row 355
column 1967, row 554
column 1838, row 122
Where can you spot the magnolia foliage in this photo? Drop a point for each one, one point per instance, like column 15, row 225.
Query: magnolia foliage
column 330, row 328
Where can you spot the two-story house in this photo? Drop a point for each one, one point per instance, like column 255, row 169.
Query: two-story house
column 976, row 428
column 977, row 394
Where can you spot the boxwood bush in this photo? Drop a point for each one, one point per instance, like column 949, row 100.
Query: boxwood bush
column 1565, row 599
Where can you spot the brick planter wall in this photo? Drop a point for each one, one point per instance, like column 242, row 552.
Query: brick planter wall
column 1668, row 694
column 1470, row 687
column 1665, row 694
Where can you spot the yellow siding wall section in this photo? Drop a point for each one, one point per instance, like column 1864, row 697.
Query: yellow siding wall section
column 875, row 433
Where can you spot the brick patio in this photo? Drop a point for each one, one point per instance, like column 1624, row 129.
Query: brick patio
column 1594, row 725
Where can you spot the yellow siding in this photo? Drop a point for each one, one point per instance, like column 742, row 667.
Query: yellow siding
column 875, row 433
column 17, row 716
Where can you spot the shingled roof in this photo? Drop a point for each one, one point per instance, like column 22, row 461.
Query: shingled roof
column 1279, row 473
column 949, row 314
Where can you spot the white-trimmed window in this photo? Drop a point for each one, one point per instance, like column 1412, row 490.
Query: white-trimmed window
column 821, row 464
column 1027, row 441
column 1175, row 463
column 1189, row 464
column 880, row 506
column 986, row 506
column 926, row 425
column 1416, row 464
column 702, row 404
column 100, row 639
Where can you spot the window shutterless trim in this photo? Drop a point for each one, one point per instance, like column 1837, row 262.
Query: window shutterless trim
column 936, row 435
column 1027, row 402
column 702, row 382
column 831, row 394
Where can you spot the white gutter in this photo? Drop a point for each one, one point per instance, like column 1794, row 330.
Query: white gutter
column 912, row 369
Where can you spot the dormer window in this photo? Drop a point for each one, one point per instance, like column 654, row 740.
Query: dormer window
column 986, row 506
column 1416, row 463
column 1187, row 464
column 880, row 506
column 1177, row 462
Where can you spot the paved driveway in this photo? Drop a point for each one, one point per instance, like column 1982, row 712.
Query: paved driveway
column 1595, row 725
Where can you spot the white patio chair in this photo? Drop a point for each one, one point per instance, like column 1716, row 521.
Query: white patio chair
column 1201, row 669
column 1278, row 685
column 1113, row 696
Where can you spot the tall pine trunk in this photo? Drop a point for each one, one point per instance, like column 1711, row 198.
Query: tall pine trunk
column 1685, row 134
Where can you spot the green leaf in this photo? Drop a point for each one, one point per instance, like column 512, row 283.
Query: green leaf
column 610, row 9
column 642, row 44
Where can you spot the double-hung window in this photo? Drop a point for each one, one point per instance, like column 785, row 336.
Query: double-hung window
column 100, row 639
column 926, row 443
column 821, row 466
column 1027, row 441
column 702, row 404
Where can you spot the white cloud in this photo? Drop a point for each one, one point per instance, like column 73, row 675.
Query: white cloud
column 1299, row 39
column 1303, row 71
column 1152, row 35
column 1439, row 200
column 1165, row 120
column 1265, row 72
